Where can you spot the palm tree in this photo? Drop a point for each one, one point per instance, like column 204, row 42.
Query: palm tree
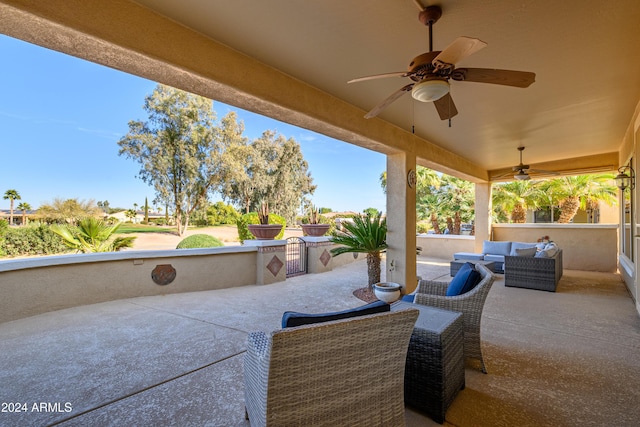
column 92, row 235
column 11, row 195
column 583, row 191
column 366, row 234
column 515, row 198
column 24, row 207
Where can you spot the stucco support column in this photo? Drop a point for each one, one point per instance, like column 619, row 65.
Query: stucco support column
column 483, row 215
column 271, row 260
column 319, row 259
column 401, row 221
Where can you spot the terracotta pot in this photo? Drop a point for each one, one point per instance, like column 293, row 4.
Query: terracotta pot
column 387, row 291
column 315, row 230
column 265, row 231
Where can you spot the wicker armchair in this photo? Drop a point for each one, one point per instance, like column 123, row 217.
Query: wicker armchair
column 346, row 372
column 470, row 304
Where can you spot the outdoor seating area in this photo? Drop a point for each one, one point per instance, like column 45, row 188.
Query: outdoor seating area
column 179, row 359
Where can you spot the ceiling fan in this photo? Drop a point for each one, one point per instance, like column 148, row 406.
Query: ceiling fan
column 432, row 70
column 521, row 172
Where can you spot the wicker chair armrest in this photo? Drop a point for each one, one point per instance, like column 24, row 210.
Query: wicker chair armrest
column 432, row 287
column 256, row 375
column 454, row 303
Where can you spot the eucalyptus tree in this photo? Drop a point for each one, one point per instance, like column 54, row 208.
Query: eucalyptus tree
column 24, row 207
column 11, row 195
column 177, row 150
column 292, row 180
column 269, row 170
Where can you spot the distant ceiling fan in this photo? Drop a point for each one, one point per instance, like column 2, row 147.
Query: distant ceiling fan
column 521, row 172
column 432, row 70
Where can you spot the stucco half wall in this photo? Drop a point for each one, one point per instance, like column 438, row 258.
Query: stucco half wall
column 38, row 285
column 587, row 247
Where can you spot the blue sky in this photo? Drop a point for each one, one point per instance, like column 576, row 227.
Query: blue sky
column 61, row 118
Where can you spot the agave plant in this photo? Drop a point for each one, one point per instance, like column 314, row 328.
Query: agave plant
column 366, row 234
column 92, row 235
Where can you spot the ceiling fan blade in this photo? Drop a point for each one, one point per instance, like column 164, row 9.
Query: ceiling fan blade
column 499, row 77
column 380, row 76
column 542, row 172
column 384, row 104
column 446, row 107
column 458, row 50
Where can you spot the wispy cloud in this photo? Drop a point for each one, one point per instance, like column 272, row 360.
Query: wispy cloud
column 36, row 119
column 101, row 133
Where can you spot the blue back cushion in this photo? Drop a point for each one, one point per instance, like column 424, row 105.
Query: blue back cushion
column 292, row 318
column 465, row 279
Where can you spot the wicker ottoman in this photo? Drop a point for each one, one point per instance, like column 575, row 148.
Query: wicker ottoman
column 434, row 372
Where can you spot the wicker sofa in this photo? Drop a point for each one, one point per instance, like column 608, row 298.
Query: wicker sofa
column 533, row 273
column 339, row 373
column 521, row 268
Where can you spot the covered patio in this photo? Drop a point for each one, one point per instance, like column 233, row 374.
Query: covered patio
column 565, row 358
column 561, row 359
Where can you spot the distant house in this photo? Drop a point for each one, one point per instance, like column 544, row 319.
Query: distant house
column 17, row 215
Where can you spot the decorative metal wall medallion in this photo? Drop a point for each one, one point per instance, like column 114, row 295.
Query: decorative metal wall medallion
column 163, row 274
column 411, row 178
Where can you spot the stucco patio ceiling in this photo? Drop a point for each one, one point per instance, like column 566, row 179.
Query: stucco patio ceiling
column 584, row 54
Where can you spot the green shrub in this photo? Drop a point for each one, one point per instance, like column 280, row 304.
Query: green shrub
column 252, row 218
column 32, row 240
column 220, row 213
column 422, row 227
column 158, row 221
column 199, row 241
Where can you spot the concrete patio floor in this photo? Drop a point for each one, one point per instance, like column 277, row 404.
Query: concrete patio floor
column 569, row 358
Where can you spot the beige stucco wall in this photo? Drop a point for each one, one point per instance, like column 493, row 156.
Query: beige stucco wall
column 588, row 247
column 38, row 285
column 444, row 245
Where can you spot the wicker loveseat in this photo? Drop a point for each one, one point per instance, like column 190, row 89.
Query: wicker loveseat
column 470, row 304
column 533, row 273
column 347, row 372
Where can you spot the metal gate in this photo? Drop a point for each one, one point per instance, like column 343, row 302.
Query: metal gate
column 296, row 256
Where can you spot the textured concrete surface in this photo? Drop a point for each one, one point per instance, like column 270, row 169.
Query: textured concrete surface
column 557, row 359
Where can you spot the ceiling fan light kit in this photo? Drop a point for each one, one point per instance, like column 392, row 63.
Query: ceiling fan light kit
column 522, row 176
column 430, row 72
column 430, row 90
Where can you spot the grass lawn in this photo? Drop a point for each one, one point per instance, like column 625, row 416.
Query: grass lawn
column 126, row 228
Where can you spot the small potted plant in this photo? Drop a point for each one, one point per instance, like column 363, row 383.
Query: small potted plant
column 314, row 228
column 264, row 230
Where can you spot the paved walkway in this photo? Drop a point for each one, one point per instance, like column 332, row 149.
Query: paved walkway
column 565, row 358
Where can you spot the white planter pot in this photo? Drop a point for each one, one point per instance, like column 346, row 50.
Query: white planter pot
column 387, row 291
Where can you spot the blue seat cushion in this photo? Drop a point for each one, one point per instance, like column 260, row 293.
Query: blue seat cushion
column 496, row 248
column 292, row 318
column 465, row 279
column 408, row 298
column 468, row 256
column 494, row 258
